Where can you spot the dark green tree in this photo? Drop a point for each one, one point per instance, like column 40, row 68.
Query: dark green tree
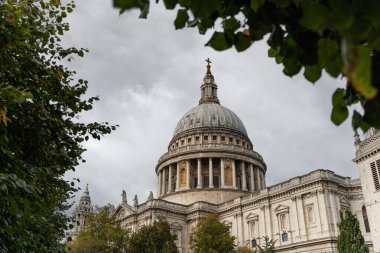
column 350, row 237
column 211, row 236
column 268, row 245
column 102, row 234
column 154, row 238
column 41, row 135
column 340, row 37
column 244, row 250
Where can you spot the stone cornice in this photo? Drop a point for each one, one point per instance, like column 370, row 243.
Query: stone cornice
column 362, row 157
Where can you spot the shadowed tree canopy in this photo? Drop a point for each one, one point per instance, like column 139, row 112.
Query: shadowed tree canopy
column 154, row 238
column 350, row 237
column 102, row 233
column 267, row 246
column 340, row 37
column 41, row 135
column 211, row 236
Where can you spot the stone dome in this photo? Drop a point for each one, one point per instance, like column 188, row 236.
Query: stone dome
column 210, row 116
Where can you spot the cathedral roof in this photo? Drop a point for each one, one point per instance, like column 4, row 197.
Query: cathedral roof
column 209, row 114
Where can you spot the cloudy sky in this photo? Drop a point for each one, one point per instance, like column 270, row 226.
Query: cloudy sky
column 148, row 75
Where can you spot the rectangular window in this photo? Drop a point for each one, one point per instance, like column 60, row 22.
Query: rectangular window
column 223, row 138
column 214, row 137
column 375, row 174
column 197, row 138
column 182, row 142
column 189, row 140
column 205, row 138
column 231, row 140
column 238, row 141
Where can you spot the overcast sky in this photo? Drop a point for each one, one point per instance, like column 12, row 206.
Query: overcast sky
column 148, row 75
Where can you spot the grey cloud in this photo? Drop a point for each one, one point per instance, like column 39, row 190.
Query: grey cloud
column 148, row 75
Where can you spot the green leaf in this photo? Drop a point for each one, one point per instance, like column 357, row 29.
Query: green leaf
column 315, row 17
column 312, row 73
column 329, row 56
column 343, row 16
column 80, row 53
column 339, row 112
column 242, row 42
column 182, row 18
column 218, row 41
column 145, row 11
column 170, row 4
column 358, row 70
column 256, row 4
column 125, row 5
column 231, row 24
column 281, row 3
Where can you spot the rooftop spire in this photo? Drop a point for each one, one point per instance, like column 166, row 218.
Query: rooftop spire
column 209, row 88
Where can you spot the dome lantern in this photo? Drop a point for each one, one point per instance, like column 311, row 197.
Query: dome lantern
column 209, row 89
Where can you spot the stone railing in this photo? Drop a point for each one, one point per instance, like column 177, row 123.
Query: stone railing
column 210, row 147
column 293, row 182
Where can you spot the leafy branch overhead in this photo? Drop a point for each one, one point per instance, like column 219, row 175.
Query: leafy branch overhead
column 341, row 37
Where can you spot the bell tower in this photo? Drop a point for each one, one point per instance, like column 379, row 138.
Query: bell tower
column 81, row 211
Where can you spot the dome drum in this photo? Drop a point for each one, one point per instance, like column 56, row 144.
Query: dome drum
column 191, row 177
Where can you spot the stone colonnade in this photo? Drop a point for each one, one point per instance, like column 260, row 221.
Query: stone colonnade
column 225, row 173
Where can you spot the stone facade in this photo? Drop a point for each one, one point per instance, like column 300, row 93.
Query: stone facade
column 211, row 166
column 368, row 161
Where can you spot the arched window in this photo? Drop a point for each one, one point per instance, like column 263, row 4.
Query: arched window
column 365, row 219
column 284, row 237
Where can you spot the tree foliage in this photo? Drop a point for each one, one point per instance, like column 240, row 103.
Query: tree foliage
column 350, row 238
column 268, row 245
column 102, row 233
column 211, row 236
column 244, row 250
column 41, row 136
column 340, row 37
column 154, row 238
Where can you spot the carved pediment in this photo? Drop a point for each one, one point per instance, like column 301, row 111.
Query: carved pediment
column 281, row 209
column 123, row 210
column 175, row 225
column 252, row 216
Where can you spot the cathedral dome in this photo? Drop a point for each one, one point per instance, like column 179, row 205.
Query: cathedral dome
column 210, row 116
column 210, row 157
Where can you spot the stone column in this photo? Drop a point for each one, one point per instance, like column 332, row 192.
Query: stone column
column 222, row 172
column 170, row 178
column 163, row 181
column 244, row 181
column 210, row 174
column 187, row 174
column 251, row 177
column 159, row 184
column 199, row 173
column 233, row 174
column 258, row 179
column 177, row 181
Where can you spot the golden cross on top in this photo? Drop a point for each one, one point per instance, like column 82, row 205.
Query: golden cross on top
column 208, row 61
